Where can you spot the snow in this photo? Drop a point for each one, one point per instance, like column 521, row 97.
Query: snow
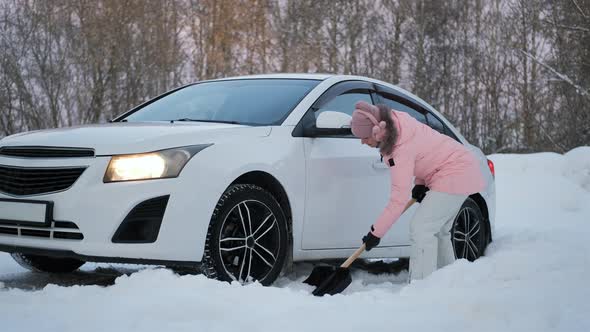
column 534, row 277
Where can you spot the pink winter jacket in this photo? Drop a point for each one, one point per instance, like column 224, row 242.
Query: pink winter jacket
column 436, row 160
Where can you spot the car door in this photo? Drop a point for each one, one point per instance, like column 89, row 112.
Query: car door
column 347, row 184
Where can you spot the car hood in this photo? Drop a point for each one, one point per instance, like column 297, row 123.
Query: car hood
column 122, row 138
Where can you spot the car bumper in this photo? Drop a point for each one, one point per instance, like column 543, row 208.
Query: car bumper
column 98, row 209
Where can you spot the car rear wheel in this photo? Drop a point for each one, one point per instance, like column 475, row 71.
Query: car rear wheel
column 247, row 237
column 38, row 263
column 469, row 232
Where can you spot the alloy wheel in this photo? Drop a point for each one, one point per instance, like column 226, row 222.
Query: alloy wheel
column 466, row 234
column 249, row 242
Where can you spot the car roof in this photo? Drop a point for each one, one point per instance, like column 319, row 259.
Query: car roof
column 317, row 76
column 334, row 78
column 320, row 77
column 338, row 78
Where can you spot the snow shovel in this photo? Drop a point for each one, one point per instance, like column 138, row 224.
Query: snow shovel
column 330, row 280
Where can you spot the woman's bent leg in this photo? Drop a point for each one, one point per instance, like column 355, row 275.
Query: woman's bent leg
column 430, row 233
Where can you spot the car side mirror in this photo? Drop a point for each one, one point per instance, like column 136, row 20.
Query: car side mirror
column 333, row 120
column 330, row 123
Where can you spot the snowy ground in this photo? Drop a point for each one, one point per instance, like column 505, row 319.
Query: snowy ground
column 535, row 277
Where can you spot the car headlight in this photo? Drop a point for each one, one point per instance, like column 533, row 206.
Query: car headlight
column 151, row 165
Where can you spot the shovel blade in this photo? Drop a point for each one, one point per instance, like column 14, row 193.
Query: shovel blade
column 319, row 274
column 334, row 283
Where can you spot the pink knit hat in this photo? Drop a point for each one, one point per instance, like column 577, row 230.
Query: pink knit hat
column 366, row 121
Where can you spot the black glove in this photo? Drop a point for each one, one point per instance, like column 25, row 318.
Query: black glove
column 370, row 240
column 419, row 192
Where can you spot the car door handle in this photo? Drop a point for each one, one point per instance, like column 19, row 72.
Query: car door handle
column 379, row 165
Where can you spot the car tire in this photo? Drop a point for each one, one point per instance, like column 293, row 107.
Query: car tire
column 247, row 237
column 469, row 232
column 46, row 264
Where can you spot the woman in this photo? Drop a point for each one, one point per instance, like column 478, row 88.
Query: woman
column 442, row 167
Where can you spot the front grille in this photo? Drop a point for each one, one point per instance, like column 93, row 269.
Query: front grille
column 8, row 230
column 58, row 230
column 45, row 152
column 31, row 181
column 35, row 232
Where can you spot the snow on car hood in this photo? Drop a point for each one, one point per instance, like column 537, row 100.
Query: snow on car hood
column 121, row 138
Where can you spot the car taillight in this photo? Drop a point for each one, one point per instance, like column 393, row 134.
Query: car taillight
column 492, row 169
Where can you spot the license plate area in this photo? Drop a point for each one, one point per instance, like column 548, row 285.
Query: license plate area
column 25, row 212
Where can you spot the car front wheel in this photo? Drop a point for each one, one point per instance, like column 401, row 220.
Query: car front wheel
column 247, row 237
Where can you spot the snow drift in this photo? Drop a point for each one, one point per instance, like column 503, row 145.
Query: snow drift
column 534, row 277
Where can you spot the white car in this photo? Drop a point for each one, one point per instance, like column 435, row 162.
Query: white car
column 240, row 176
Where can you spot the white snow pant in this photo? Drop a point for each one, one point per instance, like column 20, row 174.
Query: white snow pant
column 430, row 233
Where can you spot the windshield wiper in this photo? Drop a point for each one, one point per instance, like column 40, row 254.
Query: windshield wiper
column 198, row 120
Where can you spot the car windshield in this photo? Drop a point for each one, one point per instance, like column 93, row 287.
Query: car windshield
column 245, row 101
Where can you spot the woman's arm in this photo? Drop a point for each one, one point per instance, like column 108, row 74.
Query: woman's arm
column 401, row 174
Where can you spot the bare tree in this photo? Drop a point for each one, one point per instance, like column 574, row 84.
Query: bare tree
column 513, row 75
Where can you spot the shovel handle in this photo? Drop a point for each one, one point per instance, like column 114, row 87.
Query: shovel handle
column 353, row 257
column 360, row 250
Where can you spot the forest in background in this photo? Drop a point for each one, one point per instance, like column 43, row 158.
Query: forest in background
column 512, row 75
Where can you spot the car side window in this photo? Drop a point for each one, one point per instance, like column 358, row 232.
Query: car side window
column 345, row 102
column 435, row 123
column 397, row 106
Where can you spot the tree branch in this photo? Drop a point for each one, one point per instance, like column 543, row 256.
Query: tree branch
column 566, row 27
column 579, row 89
column 557, row 145
column 580, row 9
